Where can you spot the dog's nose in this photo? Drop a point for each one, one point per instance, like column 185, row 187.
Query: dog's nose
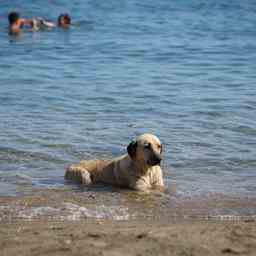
column 157, row 159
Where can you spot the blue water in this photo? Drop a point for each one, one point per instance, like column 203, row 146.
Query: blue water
column 183, row 70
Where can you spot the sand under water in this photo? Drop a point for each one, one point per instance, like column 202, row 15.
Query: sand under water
column 108, row 203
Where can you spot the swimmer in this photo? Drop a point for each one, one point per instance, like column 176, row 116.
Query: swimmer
column 63, row 21
column 16, row 23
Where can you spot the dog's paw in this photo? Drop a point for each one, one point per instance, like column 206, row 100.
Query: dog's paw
column 86, row 178
column 76, row 173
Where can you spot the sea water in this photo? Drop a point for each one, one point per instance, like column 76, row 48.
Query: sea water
column 182, row 70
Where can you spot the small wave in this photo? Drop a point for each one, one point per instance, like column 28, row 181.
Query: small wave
column 231, row 217
column 15, row 178
column 14, row 155
column 67, row 211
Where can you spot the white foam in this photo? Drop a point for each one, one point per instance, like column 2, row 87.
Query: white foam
column 36, row 212
column 67, row 211
column 231, row 217
column 77, row 212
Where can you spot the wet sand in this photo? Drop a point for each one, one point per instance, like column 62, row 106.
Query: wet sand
column 128, row 238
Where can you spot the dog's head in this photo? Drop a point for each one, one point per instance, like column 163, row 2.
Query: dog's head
column 146, row 149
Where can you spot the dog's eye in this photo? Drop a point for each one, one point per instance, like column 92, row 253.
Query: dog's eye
column 148, row 145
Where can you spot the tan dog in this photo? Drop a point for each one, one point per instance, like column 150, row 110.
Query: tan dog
column 139, row 169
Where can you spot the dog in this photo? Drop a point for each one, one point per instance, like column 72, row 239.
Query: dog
column 139, row 169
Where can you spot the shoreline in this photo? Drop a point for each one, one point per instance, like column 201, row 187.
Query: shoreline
column 66, row 204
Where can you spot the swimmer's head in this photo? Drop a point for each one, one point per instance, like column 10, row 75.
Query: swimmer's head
column 64, row 20
column 13, row 17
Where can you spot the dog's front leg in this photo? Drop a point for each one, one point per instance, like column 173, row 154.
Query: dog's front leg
column 78, row 174
column 140, row 186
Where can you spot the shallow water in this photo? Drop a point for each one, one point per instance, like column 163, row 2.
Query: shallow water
column 97, row 203
column 183, row 71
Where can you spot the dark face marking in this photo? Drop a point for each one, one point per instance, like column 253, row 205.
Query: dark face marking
column 154, row 154
column 155, row 159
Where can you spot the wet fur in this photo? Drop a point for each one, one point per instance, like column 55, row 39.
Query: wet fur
column 138, row 169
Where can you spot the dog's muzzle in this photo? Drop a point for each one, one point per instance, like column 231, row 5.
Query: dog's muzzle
column 155, row 160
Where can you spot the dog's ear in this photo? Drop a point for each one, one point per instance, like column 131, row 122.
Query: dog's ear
column 131, row 149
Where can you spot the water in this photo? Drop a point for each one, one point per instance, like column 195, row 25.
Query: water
column 184, row 71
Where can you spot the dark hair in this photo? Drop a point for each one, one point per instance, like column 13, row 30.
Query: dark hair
column 13, row 17
column 64, row 16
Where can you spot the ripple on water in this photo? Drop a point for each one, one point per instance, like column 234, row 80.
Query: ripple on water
column 66, row 205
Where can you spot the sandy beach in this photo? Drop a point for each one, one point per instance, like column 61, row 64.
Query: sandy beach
column 128, row 238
